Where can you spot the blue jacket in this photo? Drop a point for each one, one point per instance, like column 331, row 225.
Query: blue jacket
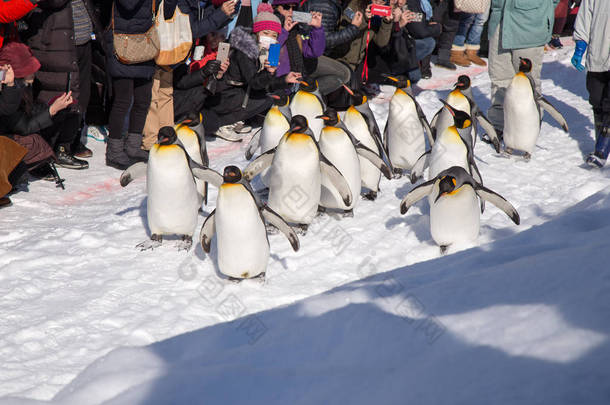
column 525, row 23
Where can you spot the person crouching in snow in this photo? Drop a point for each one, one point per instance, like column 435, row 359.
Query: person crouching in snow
column 242, row 92
column 591, row 24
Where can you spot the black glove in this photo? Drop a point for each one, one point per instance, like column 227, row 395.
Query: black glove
column 211, row 68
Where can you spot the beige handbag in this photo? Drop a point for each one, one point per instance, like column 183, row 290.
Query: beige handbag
column 471, row 6
column 136, row 48
column 176, row 37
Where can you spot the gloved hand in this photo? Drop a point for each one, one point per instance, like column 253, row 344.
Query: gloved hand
column 211, row 68
column 579, row 51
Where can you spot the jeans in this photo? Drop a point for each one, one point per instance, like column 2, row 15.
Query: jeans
column 423, row 48
column 470, row 29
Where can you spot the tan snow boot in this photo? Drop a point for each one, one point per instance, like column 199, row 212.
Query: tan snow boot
column 472, row 55
column 458, row 57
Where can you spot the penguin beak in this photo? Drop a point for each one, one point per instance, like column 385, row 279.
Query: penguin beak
column 350, row 91
column 323, row 117
column 304, row 83
column 448, row 107
column 274, row 96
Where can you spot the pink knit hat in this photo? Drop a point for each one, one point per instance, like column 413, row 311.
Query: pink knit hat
column 266, row 20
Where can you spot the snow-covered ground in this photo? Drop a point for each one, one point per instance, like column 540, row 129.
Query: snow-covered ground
column 366, row 312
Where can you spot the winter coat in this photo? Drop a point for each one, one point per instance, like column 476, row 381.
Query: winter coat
column 211, row 18
column 593, row 26
column 311, row 46
column 50, row 35
column 21, row 123
column 421, row 29
column 189, row 91
column 130, row 17
column 11, row 11
column 245, row 71
column 379, row 34
column 524, row 23
column 10, row 99
column 338, row 33
column 11, row 154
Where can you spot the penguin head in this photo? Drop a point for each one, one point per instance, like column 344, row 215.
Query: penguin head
column 280, row 100
column 192, row 119
column 399, row 81
column 452, row 179
column 298, row 123
column 525, row 65
column 167, row 136
column 330, row 117
column 356, row 96
column 446, row 185
column 463, row 82
column 460, row 118
column 309, row 86
column 231, row 174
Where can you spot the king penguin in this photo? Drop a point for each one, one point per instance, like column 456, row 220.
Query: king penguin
column 239, row 224
column 461, row 99
column 191, row 135
column 343, row 150
column 173, row 201
column 309, row 103
column 523, row 110
column 296, row 174
column 405, row 130
column 454, row 211
column 275, row 125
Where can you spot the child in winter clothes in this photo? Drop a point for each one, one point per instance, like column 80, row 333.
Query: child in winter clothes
column 591, row 24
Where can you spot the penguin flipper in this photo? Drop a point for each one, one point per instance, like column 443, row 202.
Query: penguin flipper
column 133, row 172
column 335, row 177
column 553, row 112
column 253, row 145
column 499, row 201
column 418, row 168
column 424, row 122
column 489, row 129
column 276, row 220
column 374, row 158
column 208, row 229
column 433, row 122
column 415, row 195
column 259, row 164
column 206, row 174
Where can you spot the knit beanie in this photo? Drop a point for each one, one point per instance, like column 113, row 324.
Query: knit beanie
column 278, row 2
column 266, row 20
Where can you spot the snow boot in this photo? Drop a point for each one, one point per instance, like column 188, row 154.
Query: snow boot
column 444, row 61
column 458, row 56
column 133, row 148
column 67, row 160
column 472, row 55
column 115, row 154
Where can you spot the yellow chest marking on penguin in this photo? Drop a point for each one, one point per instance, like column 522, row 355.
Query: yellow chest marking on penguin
column 305, row 97
column 166, row 150
column 227, row 186
column 452, row 135
column 351, row 111
column 455, row 96
column 521, row 79
column 332, row 131
column 296, row 138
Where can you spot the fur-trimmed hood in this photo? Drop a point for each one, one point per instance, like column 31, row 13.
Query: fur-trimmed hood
column 243, row 40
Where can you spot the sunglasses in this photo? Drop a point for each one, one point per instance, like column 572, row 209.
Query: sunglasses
column 288, row 6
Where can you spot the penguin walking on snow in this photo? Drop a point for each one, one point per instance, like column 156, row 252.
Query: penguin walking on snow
column 173, row 200
column 191, row 135
column 523, row 110
column 275, row 125
column 295, row 175
column 461, row 99
column 454, row 211
column 405, row 130
column 343, row 150
column 239, row 225
column 309, row 103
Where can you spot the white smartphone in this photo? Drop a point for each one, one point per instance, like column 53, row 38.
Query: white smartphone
column 2, row 74
column 223, row 51
column 198, row 52
column 301, row 17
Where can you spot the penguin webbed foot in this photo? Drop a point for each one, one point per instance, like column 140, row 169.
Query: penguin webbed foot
column 370, row 196
column 527, row 156
column 397, row 173
column 235, row 280
column 444, row 249
column 348, row 213
column 185, row 244
column 154, row 242
column 301, row 229
column 321, row 211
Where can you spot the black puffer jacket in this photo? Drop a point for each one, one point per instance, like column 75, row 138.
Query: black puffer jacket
column 337, row 36
column 51, row 38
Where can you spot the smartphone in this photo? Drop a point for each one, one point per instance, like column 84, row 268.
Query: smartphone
column 419, row 17
column 301, row 17
column 381, row 11
column 223, row 51
column 68, row 83
column 198, row 52
column 237, row 6
column 274, row 54
column 2, row 74
column 349, row 13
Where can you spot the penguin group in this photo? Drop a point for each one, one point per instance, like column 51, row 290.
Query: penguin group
column 311, row 159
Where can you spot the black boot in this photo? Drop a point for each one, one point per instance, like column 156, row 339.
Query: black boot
column 133, row 148
column 67, row 160
column 444, row 61
column 115, row 154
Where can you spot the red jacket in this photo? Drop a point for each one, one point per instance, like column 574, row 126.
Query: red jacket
column 11, row 11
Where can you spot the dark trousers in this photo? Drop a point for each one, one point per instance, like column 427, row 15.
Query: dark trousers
column 444, row 13
column 598, row 86
column 65, row 130
column 330, row 74
column 83, row 54
column 136, row 93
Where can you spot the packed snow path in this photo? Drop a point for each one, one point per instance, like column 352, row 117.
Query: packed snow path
column 73, row 288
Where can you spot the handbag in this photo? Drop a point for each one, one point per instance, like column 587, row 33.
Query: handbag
column 176, row 37
column 471, row 6
column 136, row 48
